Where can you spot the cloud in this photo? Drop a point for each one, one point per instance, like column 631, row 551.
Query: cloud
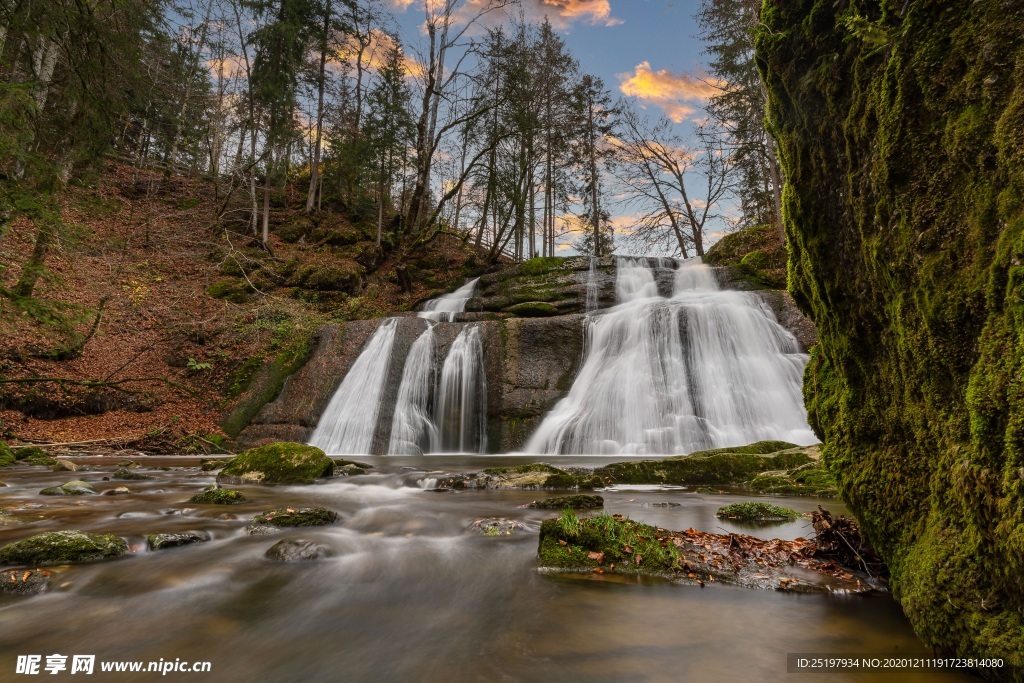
column 561, row 13
column 667, row 90
column 376, row 54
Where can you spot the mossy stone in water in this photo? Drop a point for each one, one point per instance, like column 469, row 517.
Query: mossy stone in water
column 719, row 466
column 35, row 456
column 289, row 516
column 63, row 547
column 128, row 475
column 297, row 550
column 24, row 582
column 579, row 502
column 214, row 495
column 278, row 463
column 757, row 511
column 70, row 488
column 161, row 541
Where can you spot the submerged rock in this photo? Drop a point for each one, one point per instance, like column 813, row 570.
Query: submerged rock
column 161, row 541
column 295, row 516
column 118, row 491
column 70, row 488
column 24, row 581
column 127, row 474
column 497, row 526
column 262, row 530
column 215, row 495
column 297, row 550
column 532, row 476
column 63, row 547
column 278, row 463
column 578, row 502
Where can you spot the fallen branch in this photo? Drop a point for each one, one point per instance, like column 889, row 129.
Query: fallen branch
column 97, row 384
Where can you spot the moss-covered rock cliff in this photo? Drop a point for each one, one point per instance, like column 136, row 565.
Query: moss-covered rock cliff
column 901, row 131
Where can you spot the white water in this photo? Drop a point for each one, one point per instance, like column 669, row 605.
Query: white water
column 705, row 368
column 445, row 307
column 592, row 289
column 461, row 410
column 348, row 423
column 412, row 431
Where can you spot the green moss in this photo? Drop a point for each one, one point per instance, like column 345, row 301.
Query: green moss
column 127, row 474
column 63, row 547
column 756, row 511
column 163, row 541
column 235, row 291
column 568, row 543
column 294, row 517
column 32, row 453
column 578, row 502
column 278, row 463
column 812, row 479
column 757, row 253
column 720, row 466
column 532, row 309
column 901, row 132
column 215, row 495
column 7, row 459
column 70, row 488
column 542, row 265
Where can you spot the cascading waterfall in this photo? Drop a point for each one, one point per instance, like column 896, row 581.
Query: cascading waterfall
column 704, row 368
column 412, row 431
column 347, row 424
column 592, row 289
column 460, row 413
column 445, row 307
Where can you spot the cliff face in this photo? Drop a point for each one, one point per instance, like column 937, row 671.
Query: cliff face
column 901, row 131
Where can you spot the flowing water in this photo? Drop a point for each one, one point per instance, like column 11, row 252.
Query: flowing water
column 462, row 394
column 445, row 307
column 350, row 418
column 702, row 368
column 409, row 593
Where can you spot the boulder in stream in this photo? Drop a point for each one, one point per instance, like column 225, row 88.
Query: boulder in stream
column 215, row 495
column 577, row 502
column 63, row 547
column 161, row 541
column 70, row 488
column 277, row 463
column 128, row 474
column 296, row 516
column 65, row 466
column 297, row 550
column 24, row 581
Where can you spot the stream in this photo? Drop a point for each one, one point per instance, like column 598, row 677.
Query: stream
column 410, row 594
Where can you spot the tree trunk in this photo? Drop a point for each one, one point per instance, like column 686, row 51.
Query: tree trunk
column 314, row 170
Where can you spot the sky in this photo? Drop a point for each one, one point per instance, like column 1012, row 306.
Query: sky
column 644, row 49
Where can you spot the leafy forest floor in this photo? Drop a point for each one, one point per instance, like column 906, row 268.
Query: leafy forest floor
column 152, row 315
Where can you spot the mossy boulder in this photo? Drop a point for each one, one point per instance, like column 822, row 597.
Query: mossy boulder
column 7, row 459
column 65, row 466
column 296, row 516
column 162, row 541
column 812, row 479
column 756, row 254
column 532, row 309
column 63, row 547
column 577, row 502
column 757, row 511
column 337, row 276
column 531, row 476
column 719, row 466
column 35, row 456
column 901, row 132
column 230, row 289
column 215, row 495
column 277, row 463
column 70, row 488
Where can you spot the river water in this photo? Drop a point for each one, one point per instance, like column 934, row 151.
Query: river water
column 410, row 593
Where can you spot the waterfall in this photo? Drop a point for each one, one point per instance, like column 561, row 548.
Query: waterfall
column 461, row 412
column 703, row 368
column 412, row 431
column 348, row 423
column 445, row 307
column 592, row 289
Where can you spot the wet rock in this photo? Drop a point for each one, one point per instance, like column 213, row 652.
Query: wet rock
column 578, row 502
column 24, row 581
column 497, row 526
column 297, row 550
column 119, row 491
column 278, row 463
column 35, row 456
column 162, row 541
column 129, row 464
column 209, row 465
column 63, row 547
column 6, row 457
column 126, row 473
column 215, row 495
column 349, row 470
column 66, row 466
column 811, row 479
column 530, row 476
column 296, row 516
column 262, row 530
column 662, row 504
column 70, row 488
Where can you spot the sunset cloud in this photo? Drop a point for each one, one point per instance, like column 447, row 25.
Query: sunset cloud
column 671, row 92
column 561, row 13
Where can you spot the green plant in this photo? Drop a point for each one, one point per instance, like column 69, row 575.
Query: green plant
column 196, row 366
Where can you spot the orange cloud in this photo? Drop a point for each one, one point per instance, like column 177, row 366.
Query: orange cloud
column 594, row 11
column 667, row 90
column 376, row 54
